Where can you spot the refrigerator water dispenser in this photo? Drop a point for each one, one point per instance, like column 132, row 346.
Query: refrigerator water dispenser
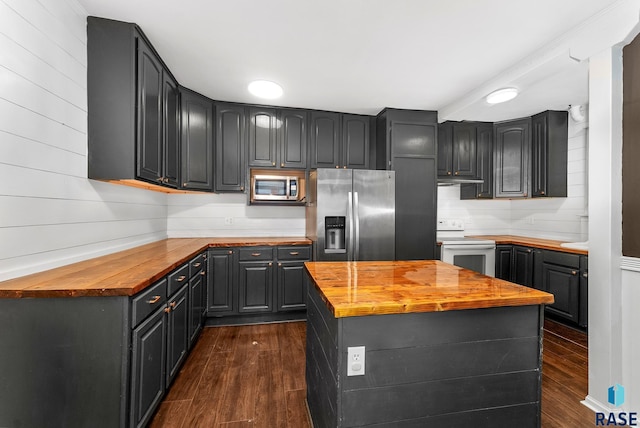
column 334, row 236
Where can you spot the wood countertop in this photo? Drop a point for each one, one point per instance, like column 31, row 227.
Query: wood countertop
column 396, row 287
column 124, row 273
column 547, row 244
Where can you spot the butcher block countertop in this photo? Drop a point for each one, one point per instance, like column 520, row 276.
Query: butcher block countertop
column 124, row 273
column 397, row 287
column 547, row 244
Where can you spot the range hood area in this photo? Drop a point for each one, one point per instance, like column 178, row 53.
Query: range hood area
column 453, row 180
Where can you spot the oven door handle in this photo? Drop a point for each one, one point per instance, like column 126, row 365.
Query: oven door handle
column 468, row 247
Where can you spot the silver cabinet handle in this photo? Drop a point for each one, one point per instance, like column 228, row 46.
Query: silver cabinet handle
column 256, row 254
column 153, row 300
column 181, row 278
column 294, row 253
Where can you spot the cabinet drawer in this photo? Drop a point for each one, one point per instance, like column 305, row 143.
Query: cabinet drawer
column 562, row 259
column 177, row 279
column 148, row 301
column 254, row 254
column 197, row 264
column 294, row 253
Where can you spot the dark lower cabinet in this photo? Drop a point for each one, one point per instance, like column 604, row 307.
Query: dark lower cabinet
column 503, row 261
column 522, row 265
column 196, row 305
column 583, row 318
column 255, row 280
column 177, row 331
column 292, row 286
column 148, row 367
column 255, row 286
column 221, row 282
column 559, row 274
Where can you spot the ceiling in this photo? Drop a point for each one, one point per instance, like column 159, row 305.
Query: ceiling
column 360, row 56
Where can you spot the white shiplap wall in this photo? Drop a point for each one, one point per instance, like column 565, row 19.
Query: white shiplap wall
column 552, row 218
column 227, row 215
column 50, row 213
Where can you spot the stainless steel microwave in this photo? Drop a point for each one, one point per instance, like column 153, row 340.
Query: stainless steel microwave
column 277, row 187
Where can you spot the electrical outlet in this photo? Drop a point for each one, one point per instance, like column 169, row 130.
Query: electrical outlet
column 228, row 220
column 355, row 360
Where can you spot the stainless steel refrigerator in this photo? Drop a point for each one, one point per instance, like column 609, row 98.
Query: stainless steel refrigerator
column 350, row 214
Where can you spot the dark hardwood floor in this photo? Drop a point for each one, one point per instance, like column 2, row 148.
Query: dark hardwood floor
column 253, row 376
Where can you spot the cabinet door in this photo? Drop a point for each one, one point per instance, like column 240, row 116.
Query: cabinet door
column 255, row 284
column 539, row 155
column 177, row 331
column 445, row 150
column 583, row 319
column 171, row 131
column 355, row 141
column 522, row 266
column 230, row 147
column 262, row 137
column 148, row 356
column 292, row 138
column 503, row 262
column 220, row 282
column 150, row 87
column 464, row 150
column 563, row 283
column 484, row 165
column 512, row 150
column 196, row 304
column 324, row 140
column 292, row 286
column 197, row 141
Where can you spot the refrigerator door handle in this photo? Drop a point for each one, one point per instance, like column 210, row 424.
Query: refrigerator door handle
column 350, row 225
column 356, row 243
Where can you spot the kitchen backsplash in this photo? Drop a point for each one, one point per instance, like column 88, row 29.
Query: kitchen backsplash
column 553, row 218
column 229, row 215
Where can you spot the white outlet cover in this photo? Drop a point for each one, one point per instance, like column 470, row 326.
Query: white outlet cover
column 355, row 360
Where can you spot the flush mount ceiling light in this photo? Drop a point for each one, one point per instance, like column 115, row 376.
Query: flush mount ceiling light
column 502, row 95
column 265, row 89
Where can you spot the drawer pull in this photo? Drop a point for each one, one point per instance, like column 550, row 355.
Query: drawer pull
column 167, row 310
column 573, row 272
column 197, row 264
column 181, row 278
column 294, row 253
column 203, row 273
column 154, row 299
column 172, row 305
column 256, row 254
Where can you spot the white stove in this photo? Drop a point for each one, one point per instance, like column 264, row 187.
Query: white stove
column 471, row 253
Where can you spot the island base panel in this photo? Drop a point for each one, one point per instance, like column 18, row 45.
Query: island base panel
column 475, row 367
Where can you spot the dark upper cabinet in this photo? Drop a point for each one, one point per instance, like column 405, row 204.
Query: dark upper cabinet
column 262, row 137
column 355, row 141
column 291, row 133
column 484, row 165
column 457, row 150
column 133, row 107
column 324, row 139
column 511, row 158
column 549, row 143
column 171, row 131
column 406, row 143
column 150, row 100
column 197, row 141
column 277, row 138
column 229, row 147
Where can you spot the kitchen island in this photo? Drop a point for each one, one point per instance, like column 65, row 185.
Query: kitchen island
column 444, row 346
